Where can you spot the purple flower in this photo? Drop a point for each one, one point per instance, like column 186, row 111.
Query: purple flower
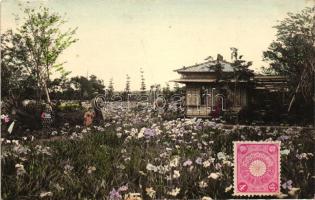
column 114, row 195
column 287, row 184
column 198, row 161
column 187, row 163
column 218, row 166
column 148, row 133
column 283, row 137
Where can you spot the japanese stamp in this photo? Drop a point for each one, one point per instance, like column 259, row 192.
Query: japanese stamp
column 256, row 168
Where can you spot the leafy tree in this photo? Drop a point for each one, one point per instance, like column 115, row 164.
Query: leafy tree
column 37, row 44
column 17, row 83
column 86, row 87
column 292, row 53
column 78, row 87
column 241, row 66
column 97, row 85
column 166, row 90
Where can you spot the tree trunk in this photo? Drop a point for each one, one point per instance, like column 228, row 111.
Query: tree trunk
column 294, row 96
column 47, row 93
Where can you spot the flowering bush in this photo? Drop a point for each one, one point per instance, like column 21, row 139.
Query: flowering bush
column 137, row 155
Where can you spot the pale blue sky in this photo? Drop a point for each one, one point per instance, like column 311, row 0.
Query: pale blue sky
column 118, row 37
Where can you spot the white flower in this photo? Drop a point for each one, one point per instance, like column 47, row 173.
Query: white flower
column 45, row 194
column 214, row 175
column 20, row 169
column 58, row 187
column 150, row 192
column 227, row 189
column 174, row 192
column 175, row 161
column 54, row 133
column 91, row 169
column 228, row 163
column 133, row 131
column 206, row 198
column 119, row 135
column 141, row 133
column 285, row 152
column 176, row 174
column 203, row 184
column 67, row 169
column 221, row 156
column 16, row 142
column 206, row 163
column 133, row 196
column 293, row 191
column 151, row 167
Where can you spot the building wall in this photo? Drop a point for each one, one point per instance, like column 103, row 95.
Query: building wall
column 201, row 98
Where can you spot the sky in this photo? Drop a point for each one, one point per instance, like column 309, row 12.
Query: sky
column 118, row 37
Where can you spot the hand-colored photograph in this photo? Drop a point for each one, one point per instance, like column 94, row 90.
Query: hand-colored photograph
column 157, row 99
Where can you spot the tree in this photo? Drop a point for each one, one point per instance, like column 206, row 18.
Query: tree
column 166, row 90
column 78, row 87
column 37, row 44
column 143, row 87
column 292, row 53
column 127, row 88
column 97, row 85
column 111, row 87
column 240, row 66
column 87, row 87
column 17, row 83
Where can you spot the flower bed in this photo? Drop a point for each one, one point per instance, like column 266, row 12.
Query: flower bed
column 140, row 155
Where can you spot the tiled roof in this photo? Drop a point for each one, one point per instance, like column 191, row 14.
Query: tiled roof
column 206, row 67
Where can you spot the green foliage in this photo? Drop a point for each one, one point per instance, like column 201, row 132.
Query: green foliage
column 241, row 66
column 48, row 172
column 292, row 53
column 17, row 83
column 62, row 166
column 69, row 106
column 35, row 47
column 78, row 87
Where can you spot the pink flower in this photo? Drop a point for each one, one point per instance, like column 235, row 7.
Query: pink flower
column 114, row 195
column 187, row 163
column 5, row 118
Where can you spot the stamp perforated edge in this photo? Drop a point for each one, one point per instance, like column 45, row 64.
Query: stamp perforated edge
column 235, row 193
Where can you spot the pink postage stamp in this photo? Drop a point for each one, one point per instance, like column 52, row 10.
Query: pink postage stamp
column 256, row 168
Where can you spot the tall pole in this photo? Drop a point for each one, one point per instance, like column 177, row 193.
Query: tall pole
column 313, row 98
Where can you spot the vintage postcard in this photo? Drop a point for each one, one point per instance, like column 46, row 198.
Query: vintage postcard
column 157, row 99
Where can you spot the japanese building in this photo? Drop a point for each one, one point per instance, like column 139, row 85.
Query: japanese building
column 214, row 87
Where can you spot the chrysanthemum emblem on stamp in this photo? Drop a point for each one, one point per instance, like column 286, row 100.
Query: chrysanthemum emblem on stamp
column 256, row 168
